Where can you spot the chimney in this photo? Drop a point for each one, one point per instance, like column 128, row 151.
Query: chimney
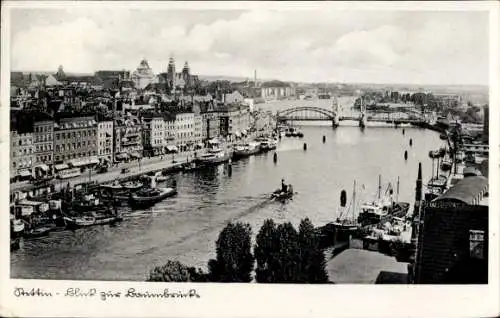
column 418, row 190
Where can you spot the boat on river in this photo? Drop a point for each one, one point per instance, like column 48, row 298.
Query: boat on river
column 280, row 195
column 38, row 232
column 246, row 150
column 95, row 218
column 149, row 197
column 214, row 156
column 347, row 221
column 267, row 144
column 435, row 187
column 383, row 208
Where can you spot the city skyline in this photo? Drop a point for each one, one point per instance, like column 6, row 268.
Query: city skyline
column 421, row 47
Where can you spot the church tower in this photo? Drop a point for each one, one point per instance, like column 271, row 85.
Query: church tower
column 171, row 73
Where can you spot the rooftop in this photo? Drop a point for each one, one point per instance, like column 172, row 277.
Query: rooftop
column 470, row 190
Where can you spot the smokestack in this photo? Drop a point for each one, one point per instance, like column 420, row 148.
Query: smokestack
column 418, row 191
column 255, row 77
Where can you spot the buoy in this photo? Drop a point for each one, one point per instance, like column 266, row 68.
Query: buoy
column 343, row 198
column 406, row 154
column 324, row 138
column 275, row 157
column 411, row 141
column 403, row 131
column 305, row 146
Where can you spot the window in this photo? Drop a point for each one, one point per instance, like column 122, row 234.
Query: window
column 20, row 142
column 57, row 136
column 57, row 148
column 84, row 134
column 50, row 157
column 476, row 244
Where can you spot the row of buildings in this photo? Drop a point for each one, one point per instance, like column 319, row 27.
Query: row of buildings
column 41, row 143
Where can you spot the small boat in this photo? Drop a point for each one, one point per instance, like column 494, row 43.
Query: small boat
column 279, row 195
column 299, row 134
column 79, row 221
column 267, row 144
column 114, row 186
column 149, row 197
column 38, row 232
column 133, row 185
column 214, row 156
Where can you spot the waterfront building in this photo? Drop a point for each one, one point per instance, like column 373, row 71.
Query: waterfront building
column 127, row 138
column 153, row 134
column 21, row 153
column 184, row 126
column 198, row 126
column 169, row 132
column 210, row 126
column 453, row 236
column 276, row 90
column 43, row 133
column 105, row 139
column 234, row 121
column 143, row 75
column 75, row 141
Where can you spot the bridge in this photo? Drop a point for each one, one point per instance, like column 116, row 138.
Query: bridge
column 396, row 115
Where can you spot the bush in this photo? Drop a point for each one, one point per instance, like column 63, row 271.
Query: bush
column 175, row 271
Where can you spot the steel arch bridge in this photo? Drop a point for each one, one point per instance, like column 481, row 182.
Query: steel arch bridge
column 306, row 113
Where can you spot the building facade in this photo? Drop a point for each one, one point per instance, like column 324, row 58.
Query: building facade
column 105, row 140
column 127, row 138
column 21, row 154
column 153, row 135
column 184, row 125
column 43, row 133
column 169, row 132
column 198, row 127
column 75, row 141
column 143, row 75
column 453, row 236
column 234, row 121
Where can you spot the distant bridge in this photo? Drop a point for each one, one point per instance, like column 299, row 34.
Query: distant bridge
column 309, row 113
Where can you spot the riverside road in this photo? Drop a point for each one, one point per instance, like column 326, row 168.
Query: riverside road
column 186, row 227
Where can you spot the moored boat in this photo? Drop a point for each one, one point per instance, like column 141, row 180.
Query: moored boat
column 149, row 197
column 38, row 232
column 133, row 185
column 214, row 156
column 346, row 221
column 246, row 150
column 17, row 227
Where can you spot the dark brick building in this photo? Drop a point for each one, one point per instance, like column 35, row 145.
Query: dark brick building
column 453, row 237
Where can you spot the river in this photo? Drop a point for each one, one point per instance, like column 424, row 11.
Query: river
column 186, row 227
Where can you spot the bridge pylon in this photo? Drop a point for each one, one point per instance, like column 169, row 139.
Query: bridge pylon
column 335, row 110
column 362, row 117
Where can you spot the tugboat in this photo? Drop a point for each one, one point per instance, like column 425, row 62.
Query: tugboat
column 284, row 193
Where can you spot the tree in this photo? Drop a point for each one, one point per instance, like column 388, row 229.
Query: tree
column 265, row 252
column 175, row 271
column 234, row 261
column 288, row 254
column 313, row 263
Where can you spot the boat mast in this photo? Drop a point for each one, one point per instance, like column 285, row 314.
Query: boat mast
column 379, row 185
column 354, row 199
column 397, row 191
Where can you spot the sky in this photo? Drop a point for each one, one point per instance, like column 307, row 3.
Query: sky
column 407, row 47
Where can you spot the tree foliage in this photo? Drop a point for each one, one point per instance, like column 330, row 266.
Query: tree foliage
column 313, row 263
column 175, row 271
column 265, row 252
column 234, row 261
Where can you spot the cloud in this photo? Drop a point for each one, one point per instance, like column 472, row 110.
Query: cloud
column 434, row 47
